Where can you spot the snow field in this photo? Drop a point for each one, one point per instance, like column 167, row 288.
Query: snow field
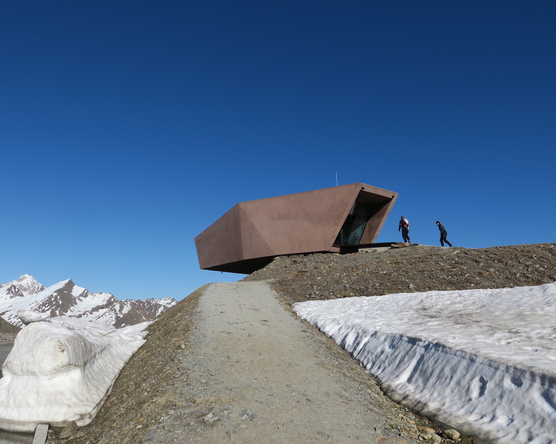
column 61, row 370
column 482, row 361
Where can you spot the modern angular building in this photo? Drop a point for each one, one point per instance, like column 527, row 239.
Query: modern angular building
column 251, row 234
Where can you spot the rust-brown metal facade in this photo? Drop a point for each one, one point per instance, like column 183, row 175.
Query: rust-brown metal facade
column 252, row 233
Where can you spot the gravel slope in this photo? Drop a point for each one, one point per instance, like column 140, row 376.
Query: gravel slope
column 408, row 269
column 157, row 386
column 257, row 374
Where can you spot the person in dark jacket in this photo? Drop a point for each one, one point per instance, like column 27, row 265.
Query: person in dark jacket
column 443, row 234
column 404, row 226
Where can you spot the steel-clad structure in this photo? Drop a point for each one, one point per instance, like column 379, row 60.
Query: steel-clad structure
column 252, row 233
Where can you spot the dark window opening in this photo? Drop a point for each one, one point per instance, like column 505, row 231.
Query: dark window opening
column 355, row 224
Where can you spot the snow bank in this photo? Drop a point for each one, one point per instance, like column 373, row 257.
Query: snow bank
column 483, row 361
column 61, row 370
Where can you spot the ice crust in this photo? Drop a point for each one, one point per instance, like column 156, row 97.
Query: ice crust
column 61, row 370
column 483, row 361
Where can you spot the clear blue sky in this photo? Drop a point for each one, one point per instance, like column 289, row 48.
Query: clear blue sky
column 128, row 127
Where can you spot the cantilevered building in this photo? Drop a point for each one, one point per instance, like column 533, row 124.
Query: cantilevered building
column 253, row 233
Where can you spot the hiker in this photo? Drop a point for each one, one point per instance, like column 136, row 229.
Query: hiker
column 443, row 234
column 404, row 226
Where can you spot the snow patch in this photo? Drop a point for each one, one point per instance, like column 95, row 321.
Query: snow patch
column 483, row 361
column 61, row 370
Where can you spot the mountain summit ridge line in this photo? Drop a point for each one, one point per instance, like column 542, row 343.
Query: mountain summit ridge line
column 65, row 298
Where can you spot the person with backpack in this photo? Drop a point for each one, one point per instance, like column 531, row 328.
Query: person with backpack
column 404, row 226
column 443, row 234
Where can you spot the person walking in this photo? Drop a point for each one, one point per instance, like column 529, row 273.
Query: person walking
column 443, row 234
column 404, row 226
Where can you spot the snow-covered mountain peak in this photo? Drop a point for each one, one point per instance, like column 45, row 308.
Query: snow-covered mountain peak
column 67, row 286
column 25, row 285
column 67, row 298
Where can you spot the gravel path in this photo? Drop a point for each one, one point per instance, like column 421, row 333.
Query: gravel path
column 256, row 371
column 233, row 363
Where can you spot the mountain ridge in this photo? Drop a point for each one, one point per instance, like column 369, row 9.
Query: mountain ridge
column 65, row 298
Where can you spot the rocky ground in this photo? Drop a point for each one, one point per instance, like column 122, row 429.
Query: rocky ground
column 8, row 330
column 410, row 269
column 147, row 395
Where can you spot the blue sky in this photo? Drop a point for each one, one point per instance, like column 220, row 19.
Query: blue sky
column 127, row 128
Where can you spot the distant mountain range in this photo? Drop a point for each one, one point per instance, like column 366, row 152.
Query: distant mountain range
column 67, row 299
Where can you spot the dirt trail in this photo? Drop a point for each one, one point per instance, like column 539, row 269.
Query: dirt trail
column 231, row 363
column 256, row 371
column 202, row 375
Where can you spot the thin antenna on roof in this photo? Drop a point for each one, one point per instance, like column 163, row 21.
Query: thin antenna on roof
column 336, row 178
